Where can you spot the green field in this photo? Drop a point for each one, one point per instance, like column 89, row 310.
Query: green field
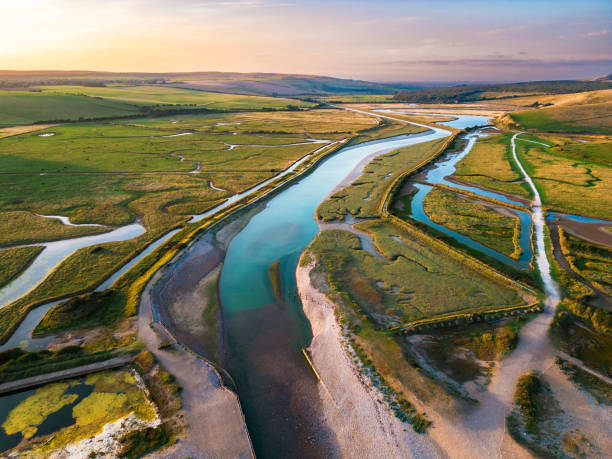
column 14, row 261
column 73, row 103
column 578, row 187
column 21, row 107
column 595, row 118
column 165, row 95
column 476, row 220
column 362, row 198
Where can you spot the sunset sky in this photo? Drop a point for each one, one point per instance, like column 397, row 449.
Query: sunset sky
column 376, row 40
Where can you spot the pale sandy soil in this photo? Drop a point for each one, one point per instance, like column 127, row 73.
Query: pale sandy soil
column 354, row 410
column 215, row 426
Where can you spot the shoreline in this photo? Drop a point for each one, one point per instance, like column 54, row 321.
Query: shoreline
column 215, row 424
column 348, row 394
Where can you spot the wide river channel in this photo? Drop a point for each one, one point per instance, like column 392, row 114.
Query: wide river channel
column 277, row 389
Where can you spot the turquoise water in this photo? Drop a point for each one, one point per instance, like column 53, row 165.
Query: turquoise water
column 437, row 174
column 277, row 390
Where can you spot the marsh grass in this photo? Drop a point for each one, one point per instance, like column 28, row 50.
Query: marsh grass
column 14, row 261
column 490, row 164
column 363, row 197
column 479, row 222
column 591, row 261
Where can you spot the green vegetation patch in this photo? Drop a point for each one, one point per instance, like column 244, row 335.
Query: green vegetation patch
column 275, row 280
column 29, row 414
column 363, row 197
column 565, row 184
column 14, row 261
column 20, row 227
column 94, row 401
column 591, row 261
column 585, row 118
column 416, row 282
column 490, row 165
column 538, row 422
column 87, row 311
column 23, row 107
column 165, row 95
column 480, row 222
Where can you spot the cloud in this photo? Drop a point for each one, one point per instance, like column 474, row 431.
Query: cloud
column 502, row 62
column 598, row 33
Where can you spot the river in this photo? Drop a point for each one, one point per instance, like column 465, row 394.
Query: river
column 277, row 389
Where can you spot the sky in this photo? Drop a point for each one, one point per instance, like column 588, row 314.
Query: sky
column 381, row 40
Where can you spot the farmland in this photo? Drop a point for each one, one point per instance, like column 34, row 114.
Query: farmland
column 73, row 103
column 589, row 112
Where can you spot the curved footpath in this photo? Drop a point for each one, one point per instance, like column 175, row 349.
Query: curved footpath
column 374, row 430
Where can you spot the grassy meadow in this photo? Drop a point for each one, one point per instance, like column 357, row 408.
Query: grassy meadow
column 478, row 221
column 14, row 260
column 74, row 103
column 565, row 184
column 589, row 112
column 166, row 95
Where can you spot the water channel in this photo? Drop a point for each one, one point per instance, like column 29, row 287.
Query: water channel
column 277, row 389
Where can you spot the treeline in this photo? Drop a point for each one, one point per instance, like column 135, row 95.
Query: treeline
column 470, row 93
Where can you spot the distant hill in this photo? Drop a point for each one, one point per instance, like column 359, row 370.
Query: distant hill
column 227, row 82
column 471, row 93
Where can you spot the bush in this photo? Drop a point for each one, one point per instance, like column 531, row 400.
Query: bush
column 526, row 394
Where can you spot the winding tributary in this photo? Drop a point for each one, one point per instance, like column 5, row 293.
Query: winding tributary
column 437, row 174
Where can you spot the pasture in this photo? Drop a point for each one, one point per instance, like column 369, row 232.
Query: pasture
column 167, row 95
column 589, row 112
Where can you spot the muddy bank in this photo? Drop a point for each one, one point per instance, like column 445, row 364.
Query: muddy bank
column 591, row 232
column 180, row 298
column 215, row 425
column 363, row 425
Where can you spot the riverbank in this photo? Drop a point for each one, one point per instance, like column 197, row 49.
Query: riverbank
column 215, row 426
column 374, row 431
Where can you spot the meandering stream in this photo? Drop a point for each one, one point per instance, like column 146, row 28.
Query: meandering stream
column 277, row 389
